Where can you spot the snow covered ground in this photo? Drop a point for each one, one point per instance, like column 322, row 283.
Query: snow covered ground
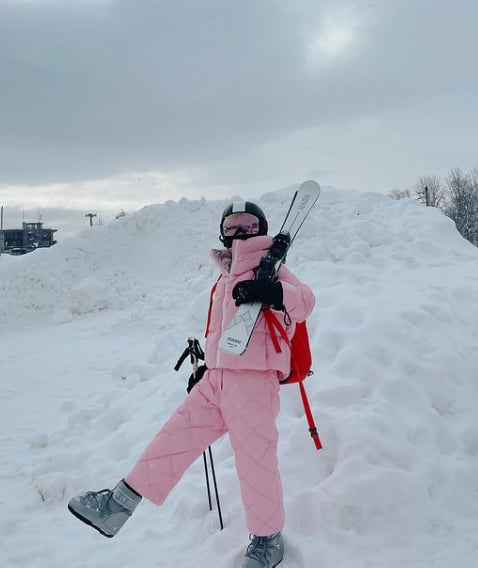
column 90, row 331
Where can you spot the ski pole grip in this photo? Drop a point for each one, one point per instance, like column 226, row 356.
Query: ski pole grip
column 181, row 359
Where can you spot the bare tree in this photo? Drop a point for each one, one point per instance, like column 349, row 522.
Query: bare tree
column 400, row 194
column 474, row 188
column 462, row 203
column 430, row 191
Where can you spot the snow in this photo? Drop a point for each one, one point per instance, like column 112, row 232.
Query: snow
column 91, row 329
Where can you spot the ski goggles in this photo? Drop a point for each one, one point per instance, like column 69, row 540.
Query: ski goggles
column 240, row 224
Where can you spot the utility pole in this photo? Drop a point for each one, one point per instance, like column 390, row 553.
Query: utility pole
column 91, row 215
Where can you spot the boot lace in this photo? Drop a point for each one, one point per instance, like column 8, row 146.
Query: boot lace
column 261, row 549
column 96, row 499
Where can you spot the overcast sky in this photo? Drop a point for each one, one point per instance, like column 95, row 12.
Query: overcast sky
column 115, row 104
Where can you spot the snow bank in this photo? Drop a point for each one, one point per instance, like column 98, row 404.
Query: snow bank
column 91, row 329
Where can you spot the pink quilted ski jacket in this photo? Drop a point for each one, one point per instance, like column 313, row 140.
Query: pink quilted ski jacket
column 238, row 264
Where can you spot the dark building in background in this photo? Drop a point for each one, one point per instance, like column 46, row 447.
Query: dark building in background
column 27, row 239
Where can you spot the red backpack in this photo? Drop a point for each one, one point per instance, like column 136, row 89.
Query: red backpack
column 300, row 362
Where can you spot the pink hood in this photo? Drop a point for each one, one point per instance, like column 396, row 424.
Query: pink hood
column 238, row 264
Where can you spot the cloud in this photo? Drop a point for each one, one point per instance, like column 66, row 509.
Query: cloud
column 97, row 88
column 219, row 96
column 339, row 36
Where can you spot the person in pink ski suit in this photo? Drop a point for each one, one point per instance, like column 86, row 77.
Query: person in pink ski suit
column 238, row 395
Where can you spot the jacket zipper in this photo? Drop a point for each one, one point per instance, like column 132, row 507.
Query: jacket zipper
column 223, row 310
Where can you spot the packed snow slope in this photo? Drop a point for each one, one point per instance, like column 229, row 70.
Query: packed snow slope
column 91, row 329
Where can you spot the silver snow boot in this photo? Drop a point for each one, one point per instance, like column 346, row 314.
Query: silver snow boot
column 264, row 551
column 106, row 510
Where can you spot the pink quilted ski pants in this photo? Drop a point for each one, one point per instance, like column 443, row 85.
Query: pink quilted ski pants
column 243, row 403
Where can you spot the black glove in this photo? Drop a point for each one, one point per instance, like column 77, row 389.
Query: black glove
column 264, row 291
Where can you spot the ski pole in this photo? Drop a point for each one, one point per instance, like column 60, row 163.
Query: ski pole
column 208, row 487
column 221, row 524
column 196, row 353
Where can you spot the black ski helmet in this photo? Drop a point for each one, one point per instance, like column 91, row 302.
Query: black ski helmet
column 243, row 207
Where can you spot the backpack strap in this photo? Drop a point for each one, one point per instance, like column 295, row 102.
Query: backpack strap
column 310, row 418
column 213, row 289
column 275, row 326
